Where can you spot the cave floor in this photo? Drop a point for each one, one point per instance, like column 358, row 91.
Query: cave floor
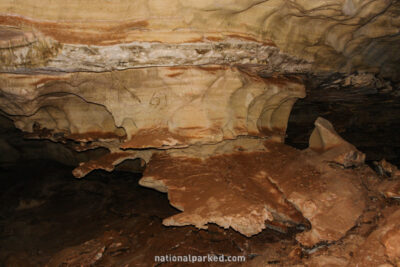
column 49, row 217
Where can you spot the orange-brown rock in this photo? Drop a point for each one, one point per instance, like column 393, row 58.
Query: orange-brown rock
column 387, row 169
column 246, row 189
column 229, row 190
column 85, row 254
column 390, row 188
column 90, row 252
column 382, row 245
column 390, row 185
column 106, row 162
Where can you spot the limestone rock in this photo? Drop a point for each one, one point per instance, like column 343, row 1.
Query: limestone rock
column 202, row 91
column 85, row 254
column 323, row 260
column 227, row 189
column 390, row 188
column 387, row 169
column 332, row 203
column 382, row 244
column 246, row 189
column 290, row 36
column 106, row 162
column 109, row 161
column 390, row 185
column 156, row 107
column 92, row 251
column 16, row 146
column 332, row 147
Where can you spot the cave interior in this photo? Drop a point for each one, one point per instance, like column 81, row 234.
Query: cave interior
column 205, row 133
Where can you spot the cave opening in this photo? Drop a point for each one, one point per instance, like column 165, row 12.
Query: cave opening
column 365, row 114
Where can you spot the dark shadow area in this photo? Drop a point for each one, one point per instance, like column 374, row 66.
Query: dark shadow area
column 45, row 209
column 48, row 215
column 366, row 117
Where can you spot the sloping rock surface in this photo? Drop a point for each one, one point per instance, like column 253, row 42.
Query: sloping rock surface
column 247, row 190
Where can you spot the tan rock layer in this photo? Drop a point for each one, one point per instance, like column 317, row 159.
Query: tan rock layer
column 29, row 51
column 333, row 35
column 155, row 107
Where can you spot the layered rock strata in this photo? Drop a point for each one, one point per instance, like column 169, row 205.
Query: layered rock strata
column 155, row 107
column 338, row 35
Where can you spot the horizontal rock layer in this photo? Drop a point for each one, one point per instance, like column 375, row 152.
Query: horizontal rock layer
column 156, row 107
column 45, row 55
column 339, row 35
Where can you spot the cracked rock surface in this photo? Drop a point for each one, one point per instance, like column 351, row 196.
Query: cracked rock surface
column 274, row 186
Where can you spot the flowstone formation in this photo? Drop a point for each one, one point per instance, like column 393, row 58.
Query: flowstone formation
column 251, row 184
column 201, row 93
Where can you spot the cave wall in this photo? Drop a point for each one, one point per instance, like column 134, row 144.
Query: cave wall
column 152, row 107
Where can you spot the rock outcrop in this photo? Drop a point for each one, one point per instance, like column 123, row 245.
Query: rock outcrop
column 382, row 245
column 332, row 147
column 156, row 107
column 270, row 185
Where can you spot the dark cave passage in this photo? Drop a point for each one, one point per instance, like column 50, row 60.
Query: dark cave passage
column 47, row 214
column 367, row 117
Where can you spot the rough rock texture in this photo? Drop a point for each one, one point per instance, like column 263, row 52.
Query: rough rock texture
column 111, row 210
column 155, row 107
column 382, row 245
column 14, row 148
column 338, row 34
column 108, row 210
column 216, row 190
column 387, row 169
column 161, row 107
column 116, row 109
column 390, row 188
column 325, row 139
column 281, row 180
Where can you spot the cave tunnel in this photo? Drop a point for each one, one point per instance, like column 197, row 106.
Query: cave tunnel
column 199, row 133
